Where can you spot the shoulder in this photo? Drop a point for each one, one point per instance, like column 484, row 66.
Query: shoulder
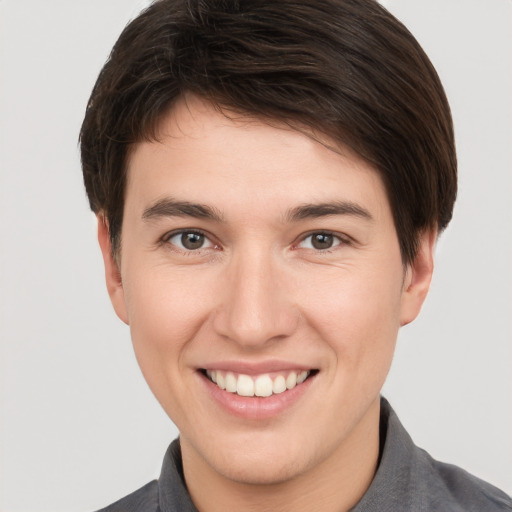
column 144, row 499
column 408, row 479
column 168, row 493
column 462, row 491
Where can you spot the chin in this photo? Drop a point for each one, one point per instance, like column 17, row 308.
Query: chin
column 267, row 472
column 260, row 462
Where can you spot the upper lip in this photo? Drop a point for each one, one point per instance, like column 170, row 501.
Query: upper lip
column 256, row 368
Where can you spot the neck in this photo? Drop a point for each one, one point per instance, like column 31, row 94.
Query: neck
column 335, row 484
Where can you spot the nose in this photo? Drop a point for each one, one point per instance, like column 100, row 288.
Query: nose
column 255, row 306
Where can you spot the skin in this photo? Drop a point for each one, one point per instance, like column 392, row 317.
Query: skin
column 259, row 291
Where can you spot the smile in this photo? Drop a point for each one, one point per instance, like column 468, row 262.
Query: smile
column 263, row 385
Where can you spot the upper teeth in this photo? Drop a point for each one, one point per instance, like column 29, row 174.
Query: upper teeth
column 260, row 385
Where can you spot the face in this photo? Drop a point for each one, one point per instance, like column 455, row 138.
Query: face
column 258, row 258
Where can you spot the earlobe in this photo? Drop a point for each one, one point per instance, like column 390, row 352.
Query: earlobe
column 112, row 272
column 418, row 277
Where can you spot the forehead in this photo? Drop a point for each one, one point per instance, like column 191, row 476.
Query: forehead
column 218, row 157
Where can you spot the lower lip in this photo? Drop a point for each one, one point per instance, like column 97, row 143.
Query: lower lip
column 256, row 408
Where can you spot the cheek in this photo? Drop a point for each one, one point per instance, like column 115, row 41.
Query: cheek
column 165, row 315
column 358, row 316
column 161, row 304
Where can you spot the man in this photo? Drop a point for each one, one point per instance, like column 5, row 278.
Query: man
column 270, row 179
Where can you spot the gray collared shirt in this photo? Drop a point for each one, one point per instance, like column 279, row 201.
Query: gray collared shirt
column 407, row 480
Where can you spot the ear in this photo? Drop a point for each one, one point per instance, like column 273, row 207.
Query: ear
column 418, row 276
column 112, row 273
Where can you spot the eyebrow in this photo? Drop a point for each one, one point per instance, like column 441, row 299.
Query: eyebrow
column 312, row 211
column 169, row 207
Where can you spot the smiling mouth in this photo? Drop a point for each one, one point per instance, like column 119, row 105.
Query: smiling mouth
column 262, row 386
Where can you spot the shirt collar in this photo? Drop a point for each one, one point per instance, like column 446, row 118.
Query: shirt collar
column 395, row 486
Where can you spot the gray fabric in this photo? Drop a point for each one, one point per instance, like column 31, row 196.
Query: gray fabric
column 407, row 480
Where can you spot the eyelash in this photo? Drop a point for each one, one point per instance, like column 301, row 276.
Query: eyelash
column 165, row 240
column 341, row 240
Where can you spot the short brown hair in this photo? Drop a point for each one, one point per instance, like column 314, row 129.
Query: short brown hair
column 346, row 68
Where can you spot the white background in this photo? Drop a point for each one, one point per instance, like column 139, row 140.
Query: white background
column 78, row 427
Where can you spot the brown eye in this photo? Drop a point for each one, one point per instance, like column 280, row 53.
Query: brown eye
column 322, row 240
column 190, row 240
